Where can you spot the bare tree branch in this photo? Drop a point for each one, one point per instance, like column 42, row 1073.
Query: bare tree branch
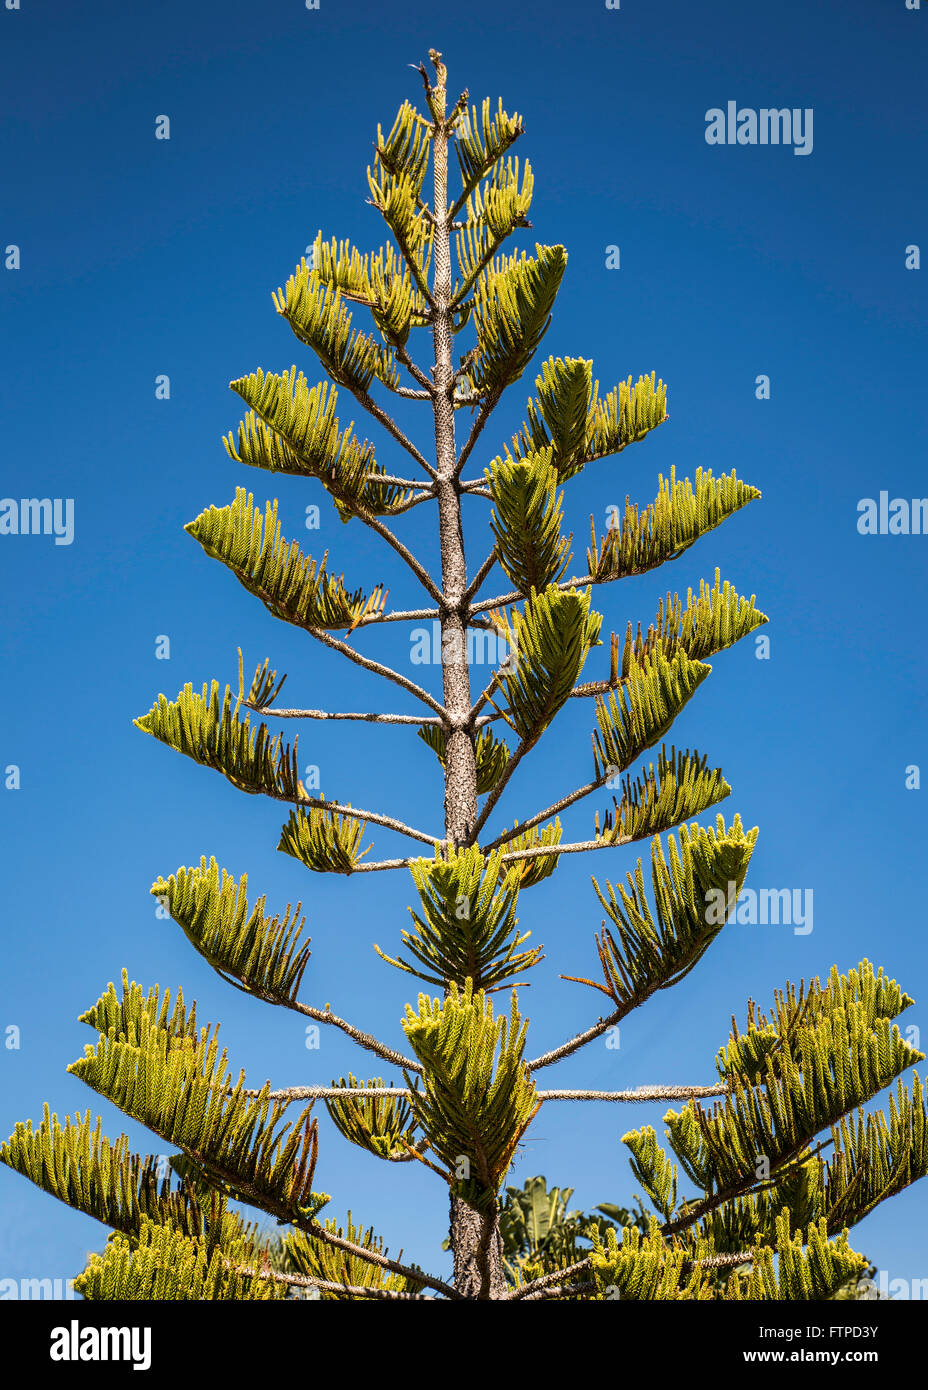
column 547, row 1059
column 483, row 414
column 481, row 574
column 410, row 394
column 546, row 1280
column 419, row 570
column 414, row 370
column 579, row 847
column 370, row 817
column 293, row 1093
column 305, row 1281
column 379, row 865
column 380, row 670
column 740, row 1257
column 364, row 716
column 399, row 615
column 641, row 1095
column 560, row 1290
column 392, row 428
column 549, row 811
column 373, row 1258
column 365, row 1040
column 415, row 483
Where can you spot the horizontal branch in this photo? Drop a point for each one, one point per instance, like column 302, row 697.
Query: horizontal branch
column 397, row 482
column 740, row 1257
column 379, row 865
column 291, row 1093
column 547, row 1285
column 306, row 1281
column 561, row 1290
column 400, row 615
column 410, row 394
column 641, row 1095
column 578, row 847
column 365, row 716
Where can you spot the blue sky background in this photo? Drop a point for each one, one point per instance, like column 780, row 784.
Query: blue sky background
column 142, row 257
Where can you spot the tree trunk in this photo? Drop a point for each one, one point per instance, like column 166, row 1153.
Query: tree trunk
column 478, row 1252
column 475, row 1239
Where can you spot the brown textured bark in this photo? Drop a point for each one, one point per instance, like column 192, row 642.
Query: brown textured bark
column 475, row 1239
column 478, row 1252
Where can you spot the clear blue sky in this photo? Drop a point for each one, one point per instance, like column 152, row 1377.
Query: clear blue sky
column 141, row 257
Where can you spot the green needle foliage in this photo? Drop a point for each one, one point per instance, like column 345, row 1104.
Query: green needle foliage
column 180, row 1088
column 324, row 840
column 569, row 417
column 249, row 757
column 548, row 644
column 338, row 1274
column 259, row 954
column 292, row 586
column 293, row 428
column 650, row 951
column 105, row 1180
column 381, row 1124
column 526, row 522
column 716, row 620
column 477, row 1098
column 644, row 708
column 677, row 517
column 164, row 1265
column 468, row 930
column 319, row 319
column 764, row 1166
column 513, row 300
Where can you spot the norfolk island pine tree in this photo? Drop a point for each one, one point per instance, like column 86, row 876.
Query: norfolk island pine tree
column 782, row 1152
